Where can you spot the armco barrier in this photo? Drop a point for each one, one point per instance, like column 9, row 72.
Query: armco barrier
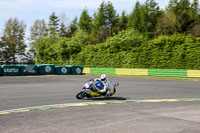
column 193, row 73
column 144, row 72
column 86, row 70
column 121, row 71
column 16, row 70
column 167, row 72
column 102, row 70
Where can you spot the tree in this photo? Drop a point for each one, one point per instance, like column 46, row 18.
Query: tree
column 152, row 14
column 72, row 28
column 104, row 21
column 166, row 24
column 135, row 18
column 194, row 14
column 144, row 17
column 38, row 30
column 80, row 37
column 13, row 44
column 111, row 17
column 53, row 25
column 173, row 6
column 52, row 50
column 85, row 22
column 184, row 5
column 100, row 30
column 63, row 30
column 182, row 10
column 122, row 22
column 184, row 19
column 2, row 52
column 194, row 11
column 62, row 27
column 195, row 30
column 99, row 18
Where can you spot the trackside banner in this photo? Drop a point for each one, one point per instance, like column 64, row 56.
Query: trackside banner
column 43, row 69
column 11, row 70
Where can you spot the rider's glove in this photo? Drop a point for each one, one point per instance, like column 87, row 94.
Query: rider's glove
column 91, row 79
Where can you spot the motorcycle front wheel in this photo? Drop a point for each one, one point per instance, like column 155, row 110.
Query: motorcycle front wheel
column 80, row 95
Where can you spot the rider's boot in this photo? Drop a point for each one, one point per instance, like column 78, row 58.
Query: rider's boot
column 108, row 94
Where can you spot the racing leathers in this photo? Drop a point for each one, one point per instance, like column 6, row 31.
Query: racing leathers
column 108, row 87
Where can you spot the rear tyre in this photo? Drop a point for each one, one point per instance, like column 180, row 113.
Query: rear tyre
column 114, row 91
column 80, row 95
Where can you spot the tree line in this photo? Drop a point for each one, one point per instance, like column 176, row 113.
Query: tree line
column 147, row 37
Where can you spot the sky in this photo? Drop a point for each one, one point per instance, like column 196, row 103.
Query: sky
column 30, row 10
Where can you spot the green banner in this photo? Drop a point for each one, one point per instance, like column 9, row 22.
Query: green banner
column 77, row 70
column 102, row 70
column 1, row 73
column 11, row 70
column 168, row 72
column 45, row 69
column 29, row 70
column 63, row 70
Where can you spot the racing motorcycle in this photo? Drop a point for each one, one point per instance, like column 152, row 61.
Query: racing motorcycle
column 90, row 90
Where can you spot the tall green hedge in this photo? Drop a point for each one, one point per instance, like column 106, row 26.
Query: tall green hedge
column 165, row 52
column 129, row 49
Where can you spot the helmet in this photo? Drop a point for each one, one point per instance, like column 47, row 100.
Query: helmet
column 103, row 77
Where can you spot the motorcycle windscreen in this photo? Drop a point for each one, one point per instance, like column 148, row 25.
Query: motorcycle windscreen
column 86, row 86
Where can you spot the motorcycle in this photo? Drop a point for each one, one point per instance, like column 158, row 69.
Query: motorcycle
column 90, row 90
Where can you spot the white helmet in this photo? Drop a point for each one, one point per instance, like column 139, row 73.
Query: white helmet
column 103, row 77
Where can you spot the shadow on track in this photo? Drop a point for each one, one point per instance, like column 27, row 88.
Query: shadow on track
column 106, row 99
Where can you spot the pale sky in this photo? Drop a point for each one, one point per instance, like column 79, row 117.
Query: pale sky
column 30, row 10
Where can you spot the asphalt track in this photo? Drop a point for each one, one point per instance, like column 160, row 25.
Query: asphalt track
column 176, row 110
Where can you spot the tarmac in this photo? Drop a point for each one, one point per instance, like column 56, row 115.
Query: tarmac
column 47, row 104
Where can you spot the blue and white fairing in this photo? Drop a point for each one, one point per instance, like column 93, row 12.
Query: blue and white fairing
column 92, row 89
column 88, row 86
column 99, row 85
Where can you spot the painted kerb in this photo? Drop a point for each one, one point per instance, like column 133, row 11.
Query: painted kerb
column 47, row 107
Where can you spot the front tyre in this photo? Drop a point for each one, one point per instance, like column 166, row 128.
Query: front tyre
column 80, row 95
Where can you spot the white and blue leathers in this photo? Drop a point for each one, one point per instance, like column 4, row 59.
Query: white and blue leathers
column 108, row 86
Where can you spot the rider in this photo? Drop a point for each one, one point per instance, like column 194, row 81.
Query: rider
column 108, row 85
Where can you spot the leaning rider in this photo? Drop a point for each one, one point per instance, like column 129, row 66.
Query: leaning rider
column 108, row 85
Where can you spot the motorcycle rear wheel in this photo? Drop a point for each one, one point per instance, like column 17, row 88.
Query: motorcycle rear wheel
column 114, row 91
column 80, row 95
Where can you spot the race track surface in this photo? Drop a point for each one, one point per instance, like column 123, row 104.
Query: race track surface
column 106, row 115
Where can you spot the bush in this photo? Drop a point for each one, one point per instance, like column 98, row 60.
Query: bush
column 128, row 49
